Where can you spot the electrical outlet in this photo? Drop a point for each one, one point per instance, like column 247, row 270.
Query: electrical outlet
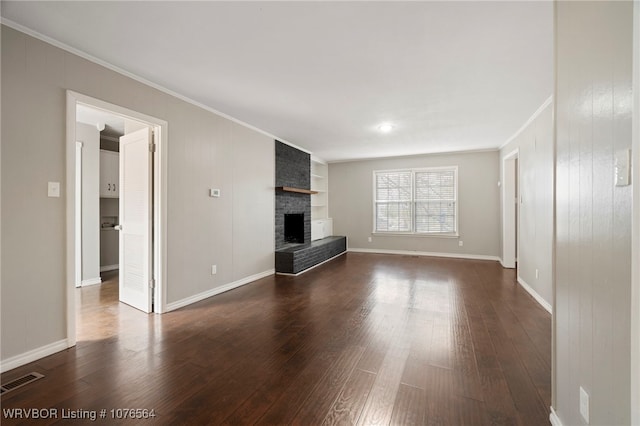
column 369, row 239
column 214, row 269
column 537, row 274
column 584, row 404
column 460, row 243
column 214, row 193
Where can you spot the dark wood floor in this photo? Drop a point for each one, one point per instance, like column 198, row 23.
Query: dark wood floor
column 366, row 339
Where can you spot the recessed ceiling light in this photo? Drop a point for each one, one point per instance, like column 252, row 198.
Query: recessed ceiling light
column 385, row 127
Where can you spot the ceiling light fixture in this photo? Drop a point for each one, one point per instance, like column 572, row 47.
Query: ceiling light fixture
column 385, row 127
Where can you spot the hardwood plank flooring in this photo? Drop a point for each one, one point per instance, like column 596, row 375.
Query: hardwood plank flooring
column 364, row 339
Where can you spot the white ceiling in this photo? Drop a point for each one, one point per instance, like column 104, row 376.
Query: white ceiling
column 449, row 76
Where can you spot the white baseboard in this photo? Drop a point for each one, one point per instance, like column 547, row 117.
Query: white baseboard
column 214, row 291
column 91, row 281
column 425, row 253
column 535, row 295
column 554, row 419
column 33, row 355
column 314, row 266
column 109, row 268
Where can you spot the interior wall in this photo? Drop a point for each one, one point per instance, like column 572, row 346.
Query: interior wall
column 131, row 126
column 593, row 217
column 535, row 234
column 635, row 291
column 508, row 212
column 109, row 237
column 205, row 151
column 90, row 138
column 351, row 204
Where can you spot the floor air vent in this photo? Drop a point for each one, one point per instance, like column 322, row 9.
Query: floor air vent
column 20, row 381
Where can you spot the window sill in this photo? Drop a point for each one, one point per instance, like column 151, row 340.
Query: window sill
column 414, row 234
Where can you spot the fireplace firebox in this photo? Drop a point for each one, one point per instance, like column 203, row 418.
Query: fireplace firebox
column 294, row 228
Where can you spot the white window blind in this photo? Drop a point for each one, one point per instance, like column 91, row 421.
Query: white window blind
column 421, row 201
column 393, row 200
column 435, row 201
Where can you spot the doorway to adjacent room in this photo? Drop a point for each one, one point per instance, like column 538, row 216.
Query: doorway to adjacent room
column 117, row 207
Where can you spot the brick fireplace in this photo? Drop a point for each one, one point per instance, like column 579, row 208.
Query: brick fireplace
column 295, row 252
column 293, row 170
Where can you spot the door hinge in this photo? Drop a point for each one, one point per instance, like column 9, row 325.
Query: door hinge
column 152, row 283
column 152, row 147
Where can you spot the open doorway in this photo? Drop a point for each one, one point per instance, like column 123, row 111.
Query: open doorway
column 98, row 134
column 116, row 214
column 510, row 210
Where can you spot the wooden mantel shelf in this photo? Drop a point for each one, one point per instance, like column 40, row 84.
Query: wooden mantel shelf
column 298, row 190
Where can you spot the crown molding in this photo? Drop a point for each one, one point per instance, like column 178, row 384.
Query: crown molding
column 28, row 31
column 535, row 115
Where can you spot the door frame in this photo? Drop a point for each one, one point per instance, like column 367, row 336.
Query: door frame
column 78, row 213
column 510, row 209
column 635, row 227
column 159, row 190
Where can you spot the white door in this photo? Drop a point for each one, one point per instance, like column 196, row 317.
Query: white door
column 136, row 219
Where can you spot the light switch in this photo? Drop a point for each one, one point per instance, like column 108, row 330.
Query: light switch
column 214, row 192
column 621, row 167
column 53, row 189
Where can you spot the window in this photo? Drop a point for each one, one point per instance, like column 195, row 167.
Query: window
column 416, row 201
column 393, row 201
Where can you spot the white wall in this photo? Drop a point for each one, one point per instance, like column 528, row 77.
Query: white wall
column 109, row 238
column 593, row 217
column 351, row 204
column 204, row 151
column 90, row 138
column 535, row 235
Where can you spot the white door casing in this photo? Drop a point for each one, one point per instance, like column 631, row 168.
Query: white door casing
column 78, row 213
column 509, row 212
column 136, row 214
column 160, row 160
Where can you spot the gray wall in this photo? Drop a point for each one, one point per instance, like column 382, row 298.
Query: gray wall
column 351, row 203
column 90, row 138
column 205, row 151
column 593, row 217
column 535, row 234
column 635, row 274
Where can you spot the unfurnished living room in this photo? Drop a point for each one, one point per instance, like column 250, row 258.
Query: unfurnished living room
column 367, row 212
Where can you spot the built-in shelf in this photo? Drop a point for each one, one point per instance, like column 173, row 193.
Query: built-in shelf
column 297, row 190
column 321, row 224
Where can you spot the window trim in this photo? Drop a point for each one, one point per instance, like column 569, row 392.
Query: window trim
column 413, row 201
